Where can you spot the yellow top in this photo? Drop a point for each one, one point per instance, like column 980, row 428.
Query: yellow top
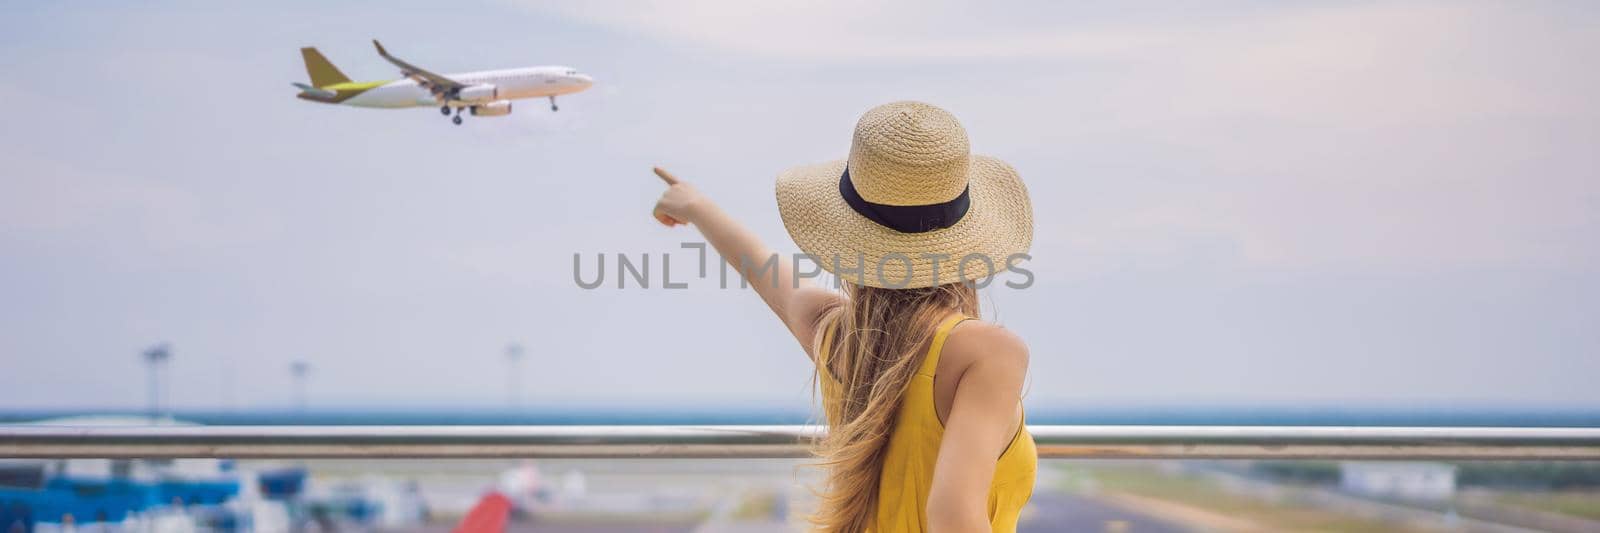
column 914, row 447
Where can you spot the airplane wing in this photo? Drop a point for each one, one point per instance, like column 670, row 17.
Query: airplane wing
column 439, row 85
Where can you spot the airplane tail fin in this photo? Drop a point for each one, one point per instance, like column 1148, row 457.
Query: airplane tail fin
column 322, row 72
column 488, row 516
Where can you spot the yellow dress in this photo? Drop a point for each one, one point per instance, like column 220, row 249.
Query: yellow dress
column 914, row 448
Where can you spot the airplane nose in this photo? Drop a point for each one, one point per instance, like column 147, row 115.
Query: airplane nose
column 585, row 79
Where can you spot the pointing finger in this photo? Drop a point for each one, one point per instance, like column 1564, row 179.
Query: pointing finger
column 666, row 176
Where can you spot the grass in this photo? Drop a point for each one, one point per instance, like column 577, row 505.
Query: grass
column 757, row 505
column 1582, row 504
column 1198, row 493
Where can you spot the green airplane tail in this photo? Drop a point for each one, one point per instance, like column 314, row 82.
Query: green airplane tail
column 322, row 72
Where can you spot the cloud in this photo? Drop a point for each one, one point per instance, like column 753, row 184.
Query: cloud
column 847, row 30
column 1382, row 63
column 1408, row 135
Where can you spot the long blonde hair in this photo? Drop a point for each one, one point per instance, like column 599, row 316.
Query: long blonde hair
column 877, row 343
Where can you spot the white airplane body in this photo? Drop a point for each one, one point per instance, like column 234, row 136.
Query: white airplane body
column 509, row 84
column 482, row 93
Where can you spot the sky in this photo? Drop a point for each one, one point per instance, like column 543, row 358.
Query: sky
column 1390, row 204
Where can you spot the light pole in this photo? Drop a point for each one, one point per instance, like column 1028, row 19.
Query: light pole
column 299, row 370
column 155, row 358
column 514, row 375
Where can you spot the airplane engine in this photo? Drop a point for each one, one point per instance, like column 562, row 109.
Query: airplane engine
column 478, row 93
column 497, row 108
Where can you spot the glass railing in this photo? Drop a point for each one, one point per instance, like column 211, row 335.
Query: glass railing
column 754, row 442
column 757, row 478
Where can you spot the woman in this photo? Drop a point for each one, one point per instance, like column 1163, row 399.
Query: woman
column 922, row 400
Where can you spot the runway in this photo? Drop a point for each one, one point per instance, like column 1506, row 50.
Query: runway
column 1049, row 512
column 1058, row 511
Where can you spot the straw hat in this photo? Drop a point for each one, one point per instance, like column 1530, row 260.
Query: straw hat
column 910, row 201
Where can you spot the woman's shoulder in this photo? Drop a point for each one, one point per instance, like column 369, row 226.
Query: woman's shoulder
column 975, row 341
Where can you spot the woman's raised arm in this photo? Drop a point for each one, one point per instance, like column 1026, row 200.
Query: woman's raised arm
column 798, row 302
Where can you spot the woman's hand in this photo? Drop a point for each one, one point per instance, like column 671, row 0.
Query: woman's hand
column 678, row 203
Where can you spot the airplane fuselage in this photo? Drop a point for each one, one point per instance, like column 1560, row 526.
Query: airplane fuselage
column 486, row 93
column 509, row 84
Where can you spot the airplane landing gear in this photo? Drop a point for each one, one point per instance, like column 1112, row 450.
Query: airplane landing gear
column 553, row 104
column 456, row 119
column 444, row 110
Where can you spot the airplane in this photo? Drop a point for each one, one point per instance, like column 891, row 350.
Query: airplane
column 484, row 93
